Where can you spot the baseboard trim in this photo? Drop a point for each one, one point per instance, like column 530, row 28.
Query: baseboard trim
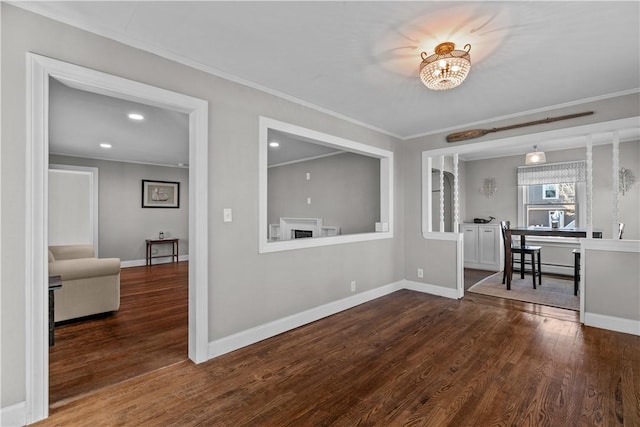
column 14, row 415
column 611, row 323
column 276, row 327
column 142, row 262
column 556, row 269
column 431, row 289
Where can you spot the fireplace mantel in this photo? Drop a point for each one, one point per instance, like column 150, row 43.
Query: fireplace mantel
column 285, row 229
column 287, row 225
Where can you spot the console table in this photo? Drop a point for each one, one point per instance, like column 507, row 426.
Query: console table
column 174, row 249
column 55, row 282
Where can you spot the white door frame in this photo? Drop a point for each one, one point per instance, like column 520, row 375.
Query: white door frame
column 39, row 69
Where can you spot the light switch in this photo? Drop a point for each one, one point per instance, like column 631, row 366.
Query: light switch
column 308, row 176
column 226, row 214
column 308, row 200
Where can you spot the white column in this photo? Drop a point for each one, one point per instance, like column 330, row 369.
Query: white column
column 615, row 213
column 427, row 194
column 442, row 194
column 589, row 187
column 456, row 196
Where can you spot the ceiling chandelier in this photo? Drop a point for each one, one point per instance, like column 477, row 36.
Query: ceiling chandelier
column 446, row 68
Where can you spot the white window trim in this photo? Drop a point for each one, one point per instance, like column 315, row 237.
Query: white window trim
column 386, row 188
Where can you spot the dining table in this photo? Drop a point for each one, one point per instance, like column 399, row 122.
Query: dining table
column 538, row 231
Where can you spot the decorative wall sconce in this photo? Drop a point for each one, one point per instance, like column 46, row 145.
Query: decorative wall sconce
column 489, row 187
column 626, row 180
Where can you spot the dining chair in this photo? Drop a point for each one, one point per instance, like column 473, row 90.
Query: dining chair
column 576, row 261
column 532, row 251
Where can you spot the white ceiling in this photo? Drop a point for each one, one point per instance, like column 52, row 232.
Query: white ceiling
column 80, row 121
column 359, row 60
column 293, row 148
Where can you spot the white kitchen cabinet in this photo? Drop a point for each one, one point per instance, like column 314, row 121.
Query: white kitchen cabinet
column 470, row 240
column 483, row 248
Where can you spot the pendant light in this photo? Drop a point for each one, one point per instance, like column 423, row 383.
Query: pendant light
column 535, row 157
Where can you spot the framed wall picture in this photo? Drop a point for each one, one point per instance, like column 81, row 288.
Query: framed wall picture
column 160, row 194
column 550, row 191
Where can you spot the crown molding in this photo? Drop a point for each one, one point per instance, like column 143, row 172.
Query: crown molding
column 40, row 9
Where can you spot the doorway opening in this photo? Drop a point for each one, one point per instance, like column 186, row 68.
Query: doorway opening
column 40, row 69
column 145, row 328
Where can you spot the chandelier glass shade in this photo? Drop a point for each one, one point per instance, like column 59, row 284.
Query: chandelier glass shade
column 535, row 157
column 446, row 68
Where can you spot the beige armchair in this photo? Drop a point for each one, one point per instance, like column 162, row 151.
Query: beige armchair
column 90, row 285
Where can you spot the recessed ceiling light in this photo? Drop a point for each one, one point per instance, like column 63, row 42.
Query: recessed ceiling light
column 105, row 145
column 136, row 116
column 274, row 144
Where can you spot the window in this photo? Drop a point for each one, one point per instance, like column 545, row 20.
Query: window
column 550, row 195
column 547, row 204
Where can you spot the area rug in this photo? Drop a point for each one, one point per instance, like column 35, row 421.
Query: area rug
column 554, row 291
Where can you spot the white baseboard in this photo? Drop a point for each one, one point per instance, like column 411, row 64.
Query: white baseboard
column 14, row 415
column 431, row 289
column 557, row 269
column 276, row 327
column 142, row 262
column 563, row 270
column 611, row 323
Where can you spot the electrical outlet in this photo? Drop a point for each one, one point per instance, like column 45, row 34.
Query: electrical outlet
column 353, row 286
column 420, row 272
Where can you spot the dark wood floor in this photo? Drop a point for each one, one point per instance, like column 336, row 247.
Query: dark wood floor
column 150, row 331
column 404, row 359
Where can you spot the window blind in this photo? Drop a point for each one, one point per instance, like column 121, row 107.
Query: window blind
column 553, row 173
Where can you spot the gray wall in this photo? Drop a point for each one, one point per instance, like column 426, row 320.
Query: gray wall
column 435, row 257
column 123, row 223
column 344, row 191
column 503, row 205
column 246, row 289
column 612, row 295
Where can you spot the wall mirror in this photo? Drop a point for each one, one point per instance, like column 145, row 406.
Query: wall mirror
column 318, row 189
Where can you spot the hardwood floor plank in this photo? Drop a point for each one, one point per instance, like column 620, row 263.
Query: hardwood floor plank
column 403, row 359
column 148, row 332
